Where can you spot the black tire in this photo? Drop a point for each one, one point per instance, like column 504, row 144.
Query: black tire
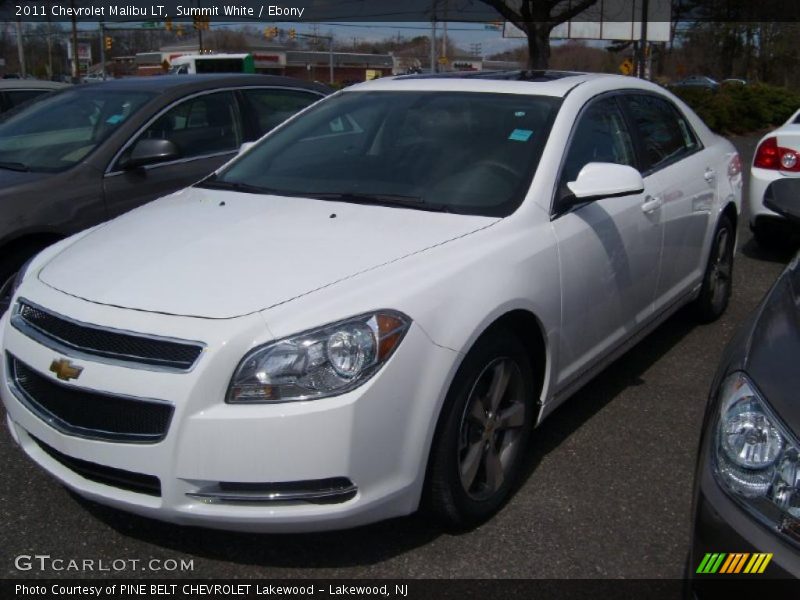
column 765, row 236
column 502, row 436
column 715, row 292
column 10, row 264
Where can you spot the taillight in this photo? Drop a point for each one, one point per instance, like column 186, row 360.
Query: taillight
column 735, row 166
column 771, row 156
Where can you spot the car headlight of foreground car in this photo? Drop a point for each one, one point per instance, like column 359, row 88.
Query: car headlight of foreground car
column 756, row 458
column 319, row 363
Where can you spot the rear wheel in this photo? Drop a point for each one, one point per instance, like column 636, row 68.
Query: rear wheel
column 715, row 292
column 477, row 455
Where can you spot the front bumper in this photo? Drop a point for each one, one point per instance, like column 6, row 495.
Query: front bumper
column 759, row 181
column 375, row 437
column 721, row 525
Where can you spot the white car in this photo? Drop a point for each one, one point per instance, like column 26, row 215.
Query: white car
column 777, row 155
column 372, row 308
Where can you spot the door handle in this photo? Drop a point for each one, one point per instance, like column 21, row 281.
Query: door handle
column 651, row 204
column 710, row 175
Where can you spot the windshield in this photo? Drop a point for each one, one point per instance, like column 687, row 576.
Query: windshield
column 465, row 152
column 60, row 130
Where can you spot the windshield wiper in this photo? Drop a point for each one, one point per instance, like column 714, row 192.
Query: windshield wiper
column 394, row 200
column 234, row 186
column 14, row 166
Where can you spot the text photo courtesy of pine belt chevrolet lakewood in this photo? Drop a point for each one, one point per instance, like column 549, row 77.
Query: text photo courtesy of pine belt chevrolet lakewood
column 369, row 310
column 73, row 159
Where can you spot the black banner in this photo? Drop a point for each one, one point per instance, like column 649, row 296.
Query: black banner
column 220, row 11
column 253, row 589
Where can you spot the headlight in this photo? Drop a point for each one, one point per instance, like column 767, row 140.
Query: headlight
column 756, row 457
column 323, row 362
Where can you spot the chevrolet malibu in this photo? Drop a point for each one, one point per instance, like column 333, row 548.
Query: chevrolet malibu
column 370, row 309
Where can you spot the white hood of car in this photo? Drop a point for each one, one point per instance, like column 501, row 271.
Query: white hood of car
column 220, row 254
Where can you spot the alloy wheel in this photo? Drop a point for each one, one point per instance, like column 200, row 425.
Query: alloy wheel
column 491, row 428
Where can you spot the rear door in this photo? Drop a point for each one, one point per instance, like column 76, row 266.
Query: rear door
column 609, row 249
column 686, row 176
column 207, row 128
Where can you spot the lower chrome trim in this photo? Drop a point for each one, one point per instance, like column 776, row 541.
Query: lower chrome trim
column 320, row 492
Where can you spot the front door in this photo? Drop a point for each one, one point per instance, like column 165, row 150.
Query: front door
column 609, row 249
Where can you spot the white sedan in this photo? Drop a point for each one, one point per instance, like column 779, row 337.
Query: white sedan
column 777, row 156
column 372, row 308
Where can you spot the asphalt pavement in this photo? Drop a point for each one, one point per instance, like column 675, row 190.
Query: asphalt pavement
column 608, row 491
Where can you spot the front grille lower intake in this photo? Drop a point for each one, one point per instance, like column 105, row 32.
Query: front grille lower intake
column 125, row 480
column 87, row 413
column 124, row 347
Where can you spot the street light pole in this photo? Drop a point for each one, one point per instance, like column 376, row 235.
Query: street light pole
column 102, row 50
column 21, row 49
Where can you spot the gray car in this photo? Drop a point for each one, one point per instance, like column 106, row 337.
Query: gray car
column 747, row 485
column 89, row 153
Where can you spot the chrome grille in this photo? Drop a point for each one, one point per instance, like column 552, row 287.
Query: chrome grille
column 87, row 413
column 133, row 349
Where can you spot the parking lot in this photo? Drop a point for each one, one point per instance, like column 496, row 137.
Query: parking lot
column 608, row 491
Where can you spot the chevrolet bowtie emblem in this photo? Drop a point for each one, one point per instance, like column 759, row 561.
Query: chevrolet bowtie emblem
column 65, row 370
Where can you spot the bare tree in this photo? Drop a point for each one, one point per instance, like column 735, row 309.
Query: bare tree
column 537, row 18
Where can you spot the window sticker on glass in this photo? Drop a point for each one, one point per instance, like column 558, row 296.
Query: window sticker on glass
column 337, row 126
column 521, row 135
column 114, row 119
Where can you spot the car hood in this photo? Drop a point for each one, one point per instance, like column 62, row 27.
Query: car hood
column 773, row 347
column 220, row 254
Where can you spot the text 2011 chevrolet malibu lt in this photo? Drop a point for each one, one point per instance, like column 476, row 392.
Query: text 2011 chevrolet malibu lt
column 371, row 309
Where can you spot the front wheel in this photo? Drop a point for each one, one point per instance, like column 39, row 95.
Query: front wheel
column 717, row 286
column 477, row 455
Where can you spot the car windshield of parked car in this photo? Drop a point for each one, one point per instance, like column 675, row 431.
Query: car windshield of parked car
column 59, row 131
column 463, row 152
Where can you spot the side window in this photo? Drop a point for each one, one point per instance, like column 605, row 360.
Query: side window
column 665, row 133
column 273, row 106
column 202, row 125
column 600, row 136
column 17, row 97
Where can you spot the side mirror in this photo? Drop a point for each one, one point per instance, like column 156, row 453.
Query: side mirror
column 151, row 151
column 245, row 147
column 783, row 197
column 602, row 180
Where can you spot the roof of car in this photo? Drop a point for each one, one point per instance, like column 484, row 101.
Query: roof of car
column 547, row 83
column 162, row 83
column 30, row 84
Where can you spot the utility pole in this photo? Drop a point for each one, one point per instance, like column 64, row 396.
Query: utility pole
column 330, row 57
column 433, row 44
column 444, row 38
column 643, row 54
column 102, row 50
column 20, row 49
column 49, row 49
column 75, row 70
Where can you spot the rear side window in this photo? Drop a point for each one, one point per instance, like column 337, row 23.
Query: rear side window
column 272, row 107
column 666, row 136
column 17, row 97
